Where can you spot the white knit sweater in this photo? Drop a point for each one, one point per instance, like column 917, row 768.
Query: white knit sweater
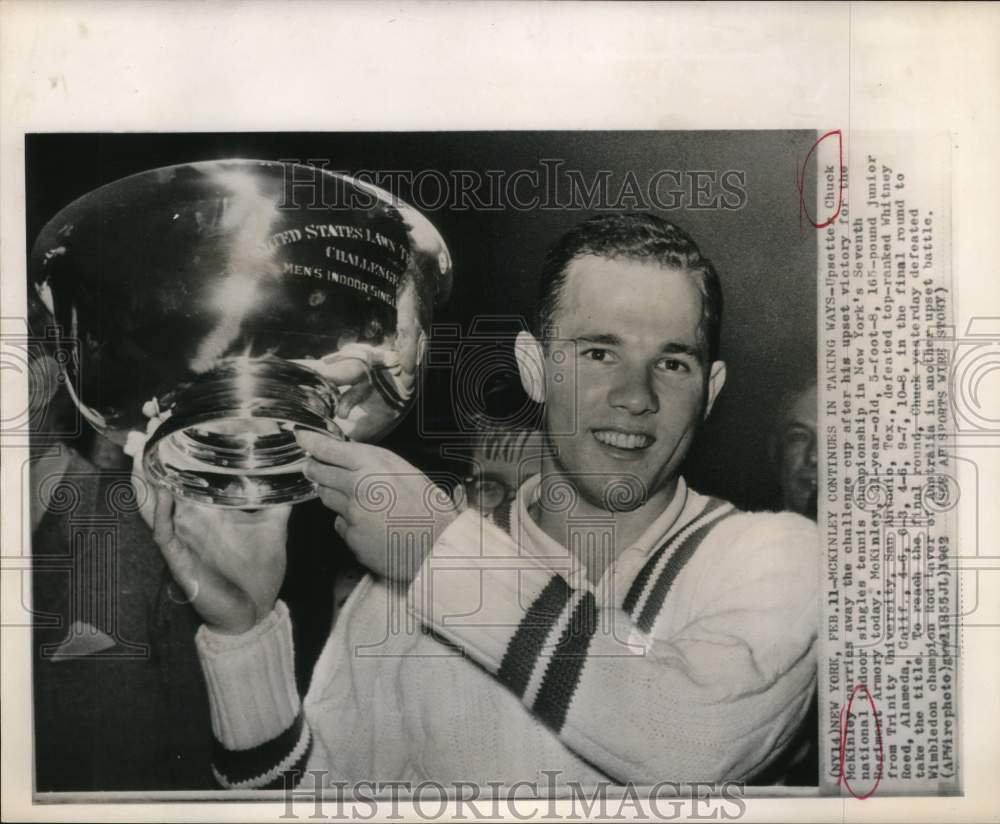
column 689, row 661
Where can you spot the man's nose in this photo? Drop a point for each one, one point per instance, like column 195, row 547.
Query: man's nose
column 633, row 391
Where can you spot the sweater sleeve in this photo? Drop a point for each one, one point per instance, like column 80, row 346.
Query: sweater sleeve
column 262, row 739
column 350, row 725
column 712, row 687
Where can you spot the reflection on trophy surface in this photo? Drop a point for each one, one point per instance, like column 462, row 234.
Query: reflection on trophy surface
column 217, row 308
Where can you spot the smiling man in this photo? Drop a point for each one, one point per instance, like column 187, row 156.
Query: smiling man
column 632, row 309
column 612, row 624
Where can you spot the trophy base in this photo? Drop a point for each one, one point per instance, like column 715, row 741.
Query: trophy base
column 227, row 439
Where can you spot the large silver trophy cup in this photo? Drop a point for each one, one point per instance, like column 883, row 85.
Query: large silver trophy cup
column 219, row 306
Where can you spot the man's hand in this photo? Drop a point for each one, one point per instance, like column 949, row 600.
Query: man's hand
column 230, row 563
column 370, row 488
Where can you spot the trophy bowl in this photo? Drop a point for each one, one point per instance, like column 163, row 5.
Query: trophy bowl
column 216, row 307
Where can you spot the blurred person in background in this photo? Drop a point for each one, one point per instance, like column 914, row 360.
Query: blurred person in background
column 793, row 450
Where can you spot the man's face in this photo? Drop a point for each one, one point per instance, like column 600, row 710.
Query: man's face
column 627, row 375
column 797, row 455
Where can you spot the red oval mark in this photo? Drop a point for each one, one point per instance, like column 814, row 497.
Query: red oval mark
column 845, row 713
column 801, row 181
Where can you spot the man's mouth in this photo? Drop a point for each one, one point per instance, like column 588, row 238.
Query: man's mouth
column 622, row 440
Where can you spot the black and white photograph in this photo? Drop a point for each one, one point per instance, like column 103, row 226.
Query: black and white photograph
column 311, row 413
column 540, row 411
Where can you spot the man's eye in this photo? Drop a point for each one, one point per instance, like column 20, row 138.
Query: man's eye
column 673, row 365
column 598, row 355
column 795, row 437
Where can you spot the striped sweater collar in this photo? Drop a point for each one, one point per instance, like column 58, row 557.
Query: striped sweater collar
column 534, row 541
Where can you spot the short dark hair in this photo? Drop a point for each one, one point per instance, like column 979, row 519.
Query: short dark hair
column 632, row 237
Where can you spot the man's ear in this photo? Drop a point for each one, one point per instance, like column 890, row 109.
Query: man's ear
column 530, row 365
column 716, row 380
column 421, row 346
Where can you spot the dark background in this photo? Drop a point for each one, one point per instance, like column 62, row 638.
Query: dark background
column 766, row 261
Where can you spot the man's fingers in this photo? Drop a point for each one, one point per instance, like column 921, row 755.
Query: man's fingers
column 333, row 477
column 344, row 371
column 358, row 393
column 329, row 450
column 182, row 562
column 163, row 518
column 340, row 526
column 332, row 499
column 145, row 494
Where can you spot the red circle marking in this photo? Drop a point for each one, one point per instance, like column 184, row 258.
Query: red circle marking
column 800, row 183
column 845, row 714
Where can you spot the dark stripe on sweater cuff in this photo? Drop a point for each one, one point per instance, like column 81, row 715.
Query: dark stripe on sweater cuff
column 563, row 673
column 241, row 765
column 526, row 644
column 293, row 776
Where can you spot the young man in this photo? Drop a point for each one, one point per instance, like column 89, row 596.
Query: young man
column 616, row 624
